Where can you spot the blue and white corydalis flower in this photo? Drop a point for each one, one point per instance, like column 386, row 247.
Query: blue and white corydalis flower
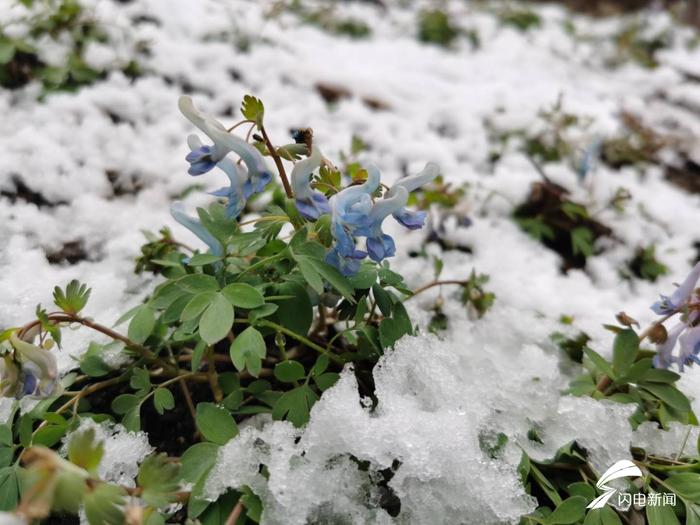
column 203, row 158
column 349, row 212
column 177, row 210
column 37, row 372
column 664, row 351
column 668, row 305
column 413, row 220
column 690, row 347
column 379, row 244
column 311, row 204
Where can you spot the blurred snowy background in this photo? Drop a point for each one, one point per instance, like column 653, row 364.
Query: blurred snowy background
column 93, row 153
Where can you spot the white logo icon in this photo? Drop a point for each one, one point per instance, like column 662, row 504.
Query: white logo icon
column 621, row 469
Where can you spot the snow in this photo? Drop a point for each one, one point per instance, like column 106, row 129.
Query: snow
column 436, row 396
column 123, row 450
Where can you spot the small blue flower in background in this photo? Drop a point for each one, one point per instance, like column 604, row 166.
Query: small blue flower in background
column 668, row 305
column 590, row 159
column 311, row 204
column 177, row 210
column 203, row 158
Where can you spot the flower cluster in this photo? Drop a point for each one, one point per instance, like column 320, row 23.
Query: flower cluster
column 686, row 332
column 31, row 371
column 354, row 212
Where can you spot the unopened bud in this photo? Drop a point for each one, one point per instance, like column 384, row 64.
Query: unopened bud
column 625, row 319
column 658, row 334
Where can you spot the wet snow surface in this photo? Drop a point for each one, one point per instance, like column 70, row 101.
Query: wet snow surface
column 108, row 159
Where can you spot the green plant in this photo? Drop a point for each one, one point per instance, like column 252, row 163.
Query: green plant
column 435, row 27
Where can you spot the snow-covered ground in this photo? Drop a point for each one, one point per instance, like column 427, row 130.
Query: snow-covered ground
column 436, row 396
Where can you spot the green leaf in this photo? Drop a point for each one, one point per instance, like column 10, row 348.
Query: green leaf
column 92, row 364
column 582, row 241
column 289, row 371
column 9, row 489
column 604, row 516
column 670, row 395
column 163, row 400
column 103, row 505
column 215, row 423
column 248, row 350
column 571, row 510
column 7, row 50
column 310, row 274
column 243, row 296
column 132, row 419
column 391, row 329
column 49, row 435
column 73, row 298
column 295, row 313
column 140, row 380
column 382, row 299
column 217, row 320
column 85, row 451
column 197, row 461
column 159, row 479
column 197, row 354
column 686, row 485
column 142, row 324
column 197, row 282
column 327, row 380
column 661, row 515
column 295, row 405
column 253, row 109
column 196, row 306
column 335, row 278
column 625, row 350
column 599, row 362
column 252, row 503
column 202, row 259
column 659, row 375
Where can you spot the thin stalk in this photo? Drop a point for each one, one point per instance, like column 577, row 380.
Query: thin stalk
column 278, row 162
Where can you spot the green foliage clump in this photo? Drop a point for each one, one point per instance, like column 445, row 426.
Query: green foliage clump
column 435, row 27
column 325, row 18
column 559, row 223
column 644, row 265
column 20, row 62
column 520, row 19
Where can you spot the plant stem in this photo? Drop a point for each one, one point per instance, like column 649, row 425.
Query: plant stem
column 437, row 283
column 278, row 162
column 301, row 339
column 235, row 514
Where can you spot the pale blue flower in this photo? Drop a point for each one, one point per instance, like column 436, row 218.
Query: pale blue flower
column 413, row 220
column 311, row 204
column 203, row 158
column 668, row 305
column 664, row 351
column 379, row 244
column 690, row 347
column 38, row 371
column 177, row 210
column 590, row 159
column 350, row 210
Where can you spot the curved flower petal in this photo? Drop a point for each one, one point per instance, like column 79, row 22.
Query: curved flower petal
column 311, row 204
column 664, row 351
column 43, row 359
column 413, row 182
column 667, row 305
column 224, row 143
column 413, row 220
column 348, row 264
column 380, row 245
column 177, row 210
column 690, row 347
